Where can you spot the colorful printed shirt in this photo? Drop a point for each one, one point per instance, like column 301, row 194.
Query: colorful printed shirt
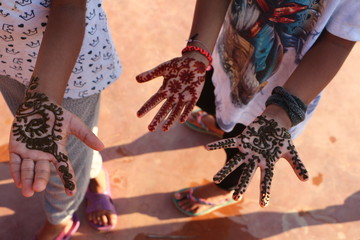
column 261, row 44
column 22, row 24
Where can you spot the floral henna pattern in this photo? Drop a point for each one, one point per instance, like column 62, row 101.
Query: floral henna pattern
column 183, row 81
column 261, row 145
column 38, row 125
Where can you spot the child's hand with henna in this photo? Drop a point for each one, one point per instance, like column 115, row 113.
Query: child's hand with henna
column 38, row 137
column 261, row 144
column 183, row 82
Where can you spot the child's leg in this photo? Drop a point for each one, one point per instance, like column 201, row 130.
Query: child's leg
column 206, row 100
column 13, row 92
column 210, row 192
column 58, row 206
column 207, row 103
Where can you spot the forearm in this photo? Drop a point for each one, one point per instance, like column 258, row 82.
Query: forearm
column 60, row 47
column 208, row 19
column 318, row 67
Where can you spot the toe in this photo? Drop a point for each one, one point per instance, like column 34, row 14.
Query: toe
column 112, row 219
column 103, row 220
column 181, row 195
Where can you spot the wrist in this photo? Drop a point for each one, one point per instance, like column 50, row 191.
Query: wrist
column 199, row 54
column 42, row 87
column 279, row 115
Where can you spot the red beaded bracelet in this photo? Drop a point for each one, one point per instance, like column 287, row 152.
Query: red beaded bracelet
column 200, row 50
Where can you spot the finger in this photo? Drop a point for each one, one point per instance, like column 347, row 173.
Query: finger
column 245, row 178
column 153, row 73
column 151, row 103
column 293, row 158
column 224, row 143
column 42, row 175
column 187, row 111
column 66, row 173
column 173, row 116
column 83, row 132
column 27, row 177
column 15, row 169
column 265, row 185
column 229, row 167
column 161, row 114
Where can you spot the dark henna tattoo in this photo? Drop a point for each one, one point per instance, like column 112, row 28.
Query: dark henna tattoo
column 229, row 167
column 38, row 125
column 265, row 140
column 226, row 143
column 297, row 162
column 246, row 176
column 261, row 145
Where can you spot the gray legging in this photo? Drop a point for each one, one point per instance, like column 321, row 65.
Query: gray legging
column 86, row 162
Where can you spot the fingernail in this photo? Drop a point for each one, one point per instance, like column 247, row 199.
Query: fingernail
column 38, row 187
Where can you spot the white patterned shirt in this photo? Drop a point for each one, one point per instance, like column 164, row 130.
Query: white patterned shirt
column 261, row 44
column 22, row 25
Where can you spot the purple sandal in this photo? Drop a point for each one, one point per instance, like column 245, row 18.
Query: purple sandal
column 100, row 201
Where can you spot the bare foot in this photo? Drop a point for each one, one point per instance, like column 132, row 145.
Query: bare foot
column 208, row 192
column 203, row 120
column 50, row 231
column 101, row 217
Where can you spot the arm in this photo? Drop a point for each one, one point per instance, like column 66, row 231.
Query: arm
column 184, row 76
column 266, row 139
column 60, row 47
column 318, row 67
column 41, row 126
column 207, row 21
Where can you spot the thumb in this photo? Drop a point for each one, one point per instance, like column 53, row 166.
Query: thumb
column 82, row 132
column 66, row 173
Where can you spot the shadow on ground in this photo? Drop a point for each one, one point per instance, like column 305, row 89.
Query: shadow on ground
column 179, row 137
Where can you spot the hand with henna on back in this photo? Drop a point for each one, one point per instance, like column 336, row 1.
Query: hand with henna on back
column 261, row 145
column 38, row 138
column 183, row 82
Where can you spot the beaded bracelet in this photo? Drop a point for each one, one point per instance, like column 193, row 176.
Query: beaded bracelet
column 295, row 108
column 200, row 50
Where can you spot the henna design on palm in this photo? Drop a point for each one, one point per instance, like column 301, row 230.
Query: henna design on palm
column 183, row 81
column 261, row 145
column 38, row 125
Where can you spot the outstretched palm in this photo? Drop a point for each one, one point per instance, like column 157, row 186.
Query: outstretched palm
column 38, row 137
column 261, row 145
column 183, row 81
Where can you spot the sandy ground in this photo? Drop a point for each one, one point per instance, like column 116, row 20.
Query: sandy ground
column 147, row 167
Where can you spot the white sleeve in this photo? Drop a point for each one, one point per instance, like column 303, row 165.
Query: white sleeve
column 345, row 20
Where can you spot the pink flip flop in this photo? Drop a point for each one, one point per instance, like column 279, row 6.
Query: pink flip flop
column 75, row 226
column 192, row 198
column 199, row 119
column 100, row 201
column 67, row 235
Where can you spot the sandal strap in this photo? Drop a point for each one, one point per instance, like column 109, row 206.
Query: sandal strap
column 201, row 200
column 200, row 117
